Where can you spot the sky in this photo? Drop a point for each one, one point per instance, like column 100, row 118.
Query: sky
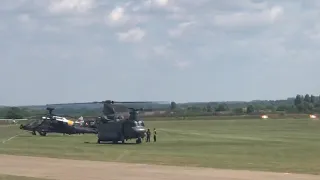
column 61, row 51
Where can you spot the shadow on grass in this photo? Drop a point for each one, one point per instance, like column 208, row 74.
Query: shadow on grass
column 103, row 143
column 58, row 135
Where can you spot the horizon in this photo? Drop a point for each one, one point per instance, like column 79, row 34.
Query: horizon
column 168, row 102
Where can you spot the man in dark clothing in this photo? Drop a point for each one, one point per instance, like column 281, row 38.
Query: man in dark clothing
column 148, row 135
column 154, row 135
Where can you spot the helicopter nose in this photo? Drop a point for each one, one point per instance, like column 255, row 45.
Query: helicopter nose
column 140, row 131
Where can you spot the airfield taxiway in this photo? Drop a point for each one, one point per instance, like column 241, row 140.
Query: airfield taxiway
column 63, row 169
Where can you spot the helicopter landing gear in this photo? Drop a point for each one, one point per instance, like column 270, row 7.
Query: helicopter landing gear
column 98, row 141
column 139, row 140
column 43, row 133
column 33, row 133
column 122, row 139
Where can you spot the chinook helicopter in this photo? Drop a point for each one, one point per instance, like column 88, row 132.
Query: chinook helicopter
column 122, row 125
column 55, row 124
column 116, row 130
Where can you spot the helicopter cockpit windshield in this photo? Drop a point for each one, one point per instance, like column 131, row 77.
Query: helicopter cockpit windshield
column 139, row 123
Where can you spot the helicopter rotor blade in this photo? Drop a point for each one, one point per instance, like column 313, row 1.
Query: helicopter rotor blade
column 132, row 102
column 76, row 103
column 105, row 101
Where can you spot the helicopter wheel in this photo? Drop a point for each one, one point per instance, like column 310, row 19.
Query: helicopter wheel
column 139, row 140
column 122, row 139
column 43, row 133
column 33, row 133
column 98, row 141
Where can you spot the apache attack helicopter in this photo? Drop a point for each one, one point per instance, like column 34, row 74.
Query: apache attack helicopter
column 55, row 124
column 118, row 126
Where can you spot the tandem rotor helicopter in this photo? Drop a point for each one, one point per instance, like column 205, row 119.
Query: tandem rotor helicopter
column 55, row 124
column 116, row 126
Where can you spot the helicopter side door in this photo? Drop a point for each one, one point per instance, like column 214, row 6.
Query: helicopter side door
column 109, row 131
column 127, row 129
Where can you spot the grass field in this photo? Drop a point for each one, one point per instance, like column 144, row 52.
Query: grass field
column 268, row 145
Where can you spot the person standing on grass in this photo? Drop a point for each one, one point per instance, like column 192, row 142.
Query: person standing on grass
column 154, row 135
column 148, row 135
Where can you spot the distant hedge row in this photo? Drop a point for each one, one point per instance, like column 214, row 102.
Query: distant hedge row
column 228, row 117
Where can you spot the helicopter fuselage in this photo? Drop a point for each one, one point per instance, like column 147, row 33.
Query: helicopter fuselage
column 56, row 126
column 120, row 130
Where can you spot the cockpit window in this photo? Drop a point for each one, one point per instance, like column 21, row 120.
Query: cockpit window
column 138, row 123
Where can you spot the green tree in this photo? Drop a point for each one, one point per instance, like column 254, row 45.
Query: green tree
column 209, row 107
column 313, row 99
column 222, row 107
column 173, row 106
column 300, row 107
column 204, row 109
column 14, row 113
column 270, row 107
column 250, row 109
column 307, row 98
column 282, row 108
column 298, row 100
column 238, row 110
column 309, row 107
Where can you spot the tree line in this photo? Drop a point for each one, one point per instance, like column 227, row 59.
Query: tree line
column 299, row 104
column 18, row 113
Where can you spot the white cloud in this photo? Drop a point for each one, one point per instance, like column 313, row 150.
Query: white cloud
column 132, row 35
column 179, row 13
column 163, row 50
column 246, row 19
column 162, row 2
column 179, row 30
column 148, row 4
column 116, row 14
column 121, row 16
column 79, row 6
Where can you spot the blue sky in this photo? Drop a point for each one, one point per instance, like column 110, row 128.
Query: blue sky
column 56, row 51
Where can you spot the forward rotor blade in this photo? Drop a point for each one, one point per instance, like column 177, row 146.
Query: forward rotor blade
column 58, row 104
column 107, row 101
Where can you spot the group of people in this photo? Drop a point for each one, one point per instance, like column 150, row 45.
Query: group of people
column 148, row 135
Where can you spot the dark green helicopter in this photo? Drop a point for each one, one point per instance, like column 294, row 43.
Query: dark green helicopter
column 55, row 124
column 119, row 123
